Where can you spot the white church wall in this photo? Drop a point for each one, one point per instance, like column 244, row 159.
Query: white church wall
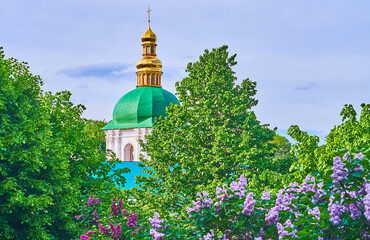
column 119, row 139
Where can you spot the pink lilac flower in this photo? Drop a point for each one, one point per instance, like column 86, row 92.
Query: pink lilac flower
column 156, row 222
column 95, row 220
column 114, row 210
column 85, row 237
column 156, row 235
column 116, row 231
column 266, row 195
column 92, row 201
column 249, row 205
column 120, row 203
column 132, row 220
column 103, row 230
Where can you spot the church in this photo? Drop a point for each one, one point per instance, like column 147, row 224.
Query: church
column 135, row 112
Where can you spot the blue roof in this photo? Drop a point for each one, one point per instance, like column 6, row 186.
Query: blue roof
column 131, row 176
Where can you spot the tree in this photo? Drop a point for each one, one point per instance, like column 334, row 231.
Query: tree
column 212, row 137
column 352, row 134
column 93, row 131
column 48, row 164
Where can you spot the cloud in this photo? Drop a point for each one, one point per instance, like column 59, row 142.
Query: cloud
column 307, row 87
column 105, row 70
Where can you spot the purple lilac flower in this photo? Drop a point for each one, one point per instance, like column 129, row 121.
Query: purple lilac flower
column 266, row 195
column 116, row 231
column 339, row 173
column 272, row 216
column 359, row 156
column 249, row 205
column 103, row 230
column 283, row 232
column 346, row 156
column 156, row 222
column 306, row 187
column 201, row 202
column 355, row 212
column 156, row 235
column 315, row 211
column 239, row 187
column 209, row 235
column 132, row 220
column 335, row 211
column 366, row 201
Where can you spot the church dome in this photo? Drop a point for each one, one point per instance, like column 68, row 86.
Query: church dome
column 149, row 36
column 140, row 107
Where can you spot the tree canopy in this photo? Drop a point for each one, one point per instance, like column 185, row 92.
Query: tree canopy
column 212, row 137
column 48, row 164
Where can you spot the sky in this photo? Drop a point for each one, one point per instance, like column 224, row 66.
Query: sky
column 308, row 57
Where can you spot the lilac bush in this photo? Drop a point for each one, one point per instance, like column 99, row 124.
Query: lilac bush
column 329, row 206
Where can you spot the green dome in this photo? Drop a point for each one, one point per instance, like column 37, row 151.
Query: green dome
column 140, row 107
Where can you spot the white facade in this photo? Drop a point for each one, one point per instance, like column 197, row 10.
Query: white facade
column 125, row 142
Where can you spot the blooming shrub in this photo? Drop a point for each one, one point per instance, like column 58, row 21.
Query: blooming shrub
column 333, row 207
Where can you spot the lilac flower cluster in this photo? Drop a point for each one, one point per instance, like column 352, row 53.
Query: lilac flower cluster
column 132, row 220
column 103, row 230
column 156, row 223
column 92, row 201
column 283, row 232
column 339, row 173
column 249, row 203
column 201, row 202
column 366, row 201
column 116, row 208
column 115, row 230
column 238, row 188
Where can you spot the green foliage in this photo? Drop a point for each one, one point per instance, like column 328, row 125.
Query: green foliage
column 352, row 134
column 48, row 164
column 212, row 137
column 93, row 131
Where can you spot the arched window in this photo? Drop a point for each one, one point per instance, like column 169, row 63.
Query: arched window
column 152, row 50
column 152, row 79
column 129, row 153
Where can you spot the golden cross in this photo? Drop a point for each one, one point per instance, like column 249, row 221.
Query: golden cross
column 149, row 14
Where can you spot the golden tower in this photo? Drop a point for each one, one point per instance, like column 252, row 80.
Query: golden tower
column 149, row 67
